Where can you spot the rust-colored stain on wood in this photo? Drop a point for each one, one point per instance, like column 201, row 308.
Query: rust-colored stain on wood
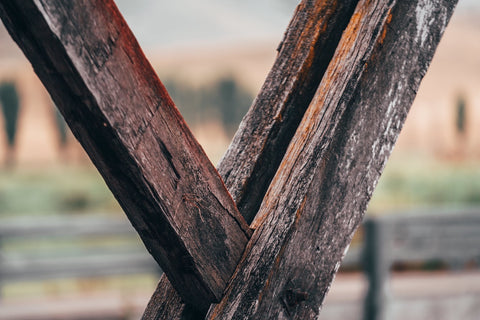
column 385, row 27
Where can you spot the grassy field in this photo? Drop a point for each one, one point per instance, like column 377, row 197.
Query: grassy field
column 54, row 190
column 407, row 182
column 417, row 182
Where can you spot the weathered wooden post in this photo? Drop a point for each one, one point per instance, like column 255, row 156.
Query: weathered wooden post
column 358, row 90
column 377, row 264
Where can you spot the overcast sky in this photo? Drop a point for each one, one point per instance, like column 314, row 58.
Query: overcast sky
column 167, row 23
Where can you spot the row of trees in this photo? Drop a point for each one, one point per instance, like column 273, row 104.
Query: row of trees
column 9, row 101
column 225, row 101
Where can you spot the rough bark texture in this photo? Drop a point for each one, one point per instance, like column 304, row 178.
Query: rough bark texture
column 91, row 64
column 319, row 195
column 264, row 134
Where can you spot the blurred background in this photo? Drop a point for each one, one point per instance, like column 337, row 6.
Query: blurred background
column 213, row 57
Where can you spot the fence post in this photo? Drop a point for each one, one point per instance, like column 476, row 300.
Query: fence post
column 377, row 265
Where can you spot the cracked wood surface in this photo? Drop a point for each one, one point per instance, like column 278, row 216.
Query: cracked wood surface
column 259, row 145
column 319, row 195
column 117, row 108
column 264, row 134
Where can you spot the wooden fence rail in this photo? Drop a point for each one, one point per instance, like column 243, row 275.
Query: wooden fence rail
column 451, row 236
column 445, row 235
column 87, row 249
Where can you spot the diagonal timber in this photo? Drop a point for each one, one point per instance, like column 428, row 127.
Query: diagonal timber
column 118, row 109
column 320, row 192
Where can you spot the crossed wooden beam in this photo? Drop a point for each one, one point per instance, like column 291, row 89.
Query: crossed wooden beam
column 262, row 237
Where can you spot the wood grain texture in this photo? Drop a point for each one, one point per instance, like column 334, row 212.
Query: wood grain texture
column 258, row 147
column 117, row 108
column 264, row 134
column 320, row 193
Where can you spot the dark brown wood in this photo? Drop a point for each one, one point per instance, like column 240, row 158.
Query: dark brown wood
column 167, row 304
column 320, row 193
column 116, row 106
column 258, row 147
column 264, row 134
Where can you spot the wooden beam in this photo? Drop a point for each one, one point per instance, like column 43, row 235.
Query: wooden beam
column 258, row 147
column 117, row 108
column 320, row 193
column 264, row 134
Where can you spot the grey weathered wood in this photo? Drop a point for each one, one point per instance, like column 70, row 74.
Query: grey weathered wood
column 413, row 237
column 61, row 226
column 117, row 108
column 89, row 263
column 319, row 195
column 433, row 234
column 263, row 136
column 75, row 261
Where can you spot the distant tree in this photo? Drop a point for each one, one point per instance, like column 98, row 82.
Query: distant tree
column 10, row 106
column 233, row 102
column 461, row 130
column 461, row 115
column 61, row 128
column 187, row 99
column 224, row 100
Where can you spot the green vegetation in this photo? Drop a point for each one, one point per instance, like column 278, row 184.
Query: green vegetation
column 54, row 191
column 410, row 182
column 406, row 183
